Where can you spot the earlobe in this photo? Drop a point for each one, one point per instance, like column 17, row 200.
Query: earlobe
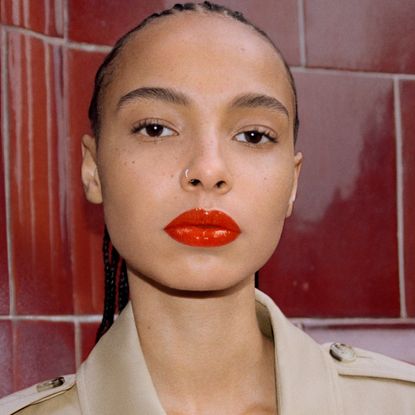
column 298, row 161
column 89, row 170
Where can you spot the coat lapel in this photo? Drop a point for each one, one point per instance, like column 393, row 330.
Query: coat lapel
column 115, row 379
column 304, row 376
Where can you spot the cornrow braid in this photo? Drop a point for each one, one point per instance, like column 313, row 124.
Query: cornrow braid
column 123, row 290
column 111, row 268
column 113, row 264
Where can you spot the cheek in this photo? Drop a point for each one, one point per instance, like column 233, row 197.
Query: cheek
column 136, row 172
column 271, row 200
column 272, row 189
column 134, row 187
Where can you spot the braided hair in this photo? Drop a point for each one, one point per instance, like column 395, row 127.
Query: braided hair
column 115, row 271
column 115, row 268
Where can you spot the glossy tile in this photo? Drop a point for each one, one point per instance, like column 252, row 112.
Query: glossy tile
column 11, row 12
column 45, row 17
column 392, row 340
column 86, row 230
column 40, row 16
column 407, row 92
column 93, row 21
column 361, row 34
column 6, row 358
column 43, row 350
column 41, row 264
column 278, row 18
column 338, row 254
column 4, row 273
column 88, row 335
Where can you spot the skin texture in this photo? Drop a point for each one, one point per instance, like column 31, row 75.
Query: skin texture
column 194, row 306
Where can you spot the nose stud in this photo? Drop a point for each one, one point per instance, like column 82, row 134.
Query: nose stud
column 205, row 180
column 193, row 182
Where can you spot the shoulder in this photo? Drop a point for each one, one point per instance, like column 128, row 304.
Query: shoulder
column 369, row 382
column 54, row 396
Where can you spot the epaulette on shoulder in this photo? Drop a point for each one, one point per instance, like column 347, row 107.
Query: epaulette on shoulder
column 35, row 394
column 352, row 361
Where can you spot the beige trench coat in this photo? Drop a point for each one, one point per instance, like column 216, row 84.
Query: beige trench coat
column 310, row 379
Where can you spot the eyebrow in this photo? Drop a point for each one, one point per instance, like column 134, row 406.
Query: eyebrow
column 250, row 100
column 162, row 94
column 258, row 101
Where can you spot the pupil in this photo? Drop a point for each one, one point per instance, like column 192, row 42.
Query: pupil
column 154, row 130
column 253, row 136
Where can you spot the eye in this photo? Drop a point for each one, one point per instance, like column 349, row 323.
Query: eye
column 151, row 128
column 255, row 137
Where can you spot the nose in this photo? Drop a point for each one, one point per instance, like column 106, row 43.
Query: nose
column 207, row 169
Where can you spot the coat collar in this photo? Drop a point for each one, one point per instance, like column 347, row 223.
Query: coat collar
column 115, row 375
column 304, row 372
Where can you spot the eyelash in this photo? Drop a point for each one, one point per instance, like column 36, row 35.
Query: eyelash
column 148, row 122
column 263, row 132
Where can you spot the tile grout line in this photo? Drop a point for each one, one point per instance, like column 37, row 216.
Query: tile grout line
column 62, row 41
column 30, row 143
column 49, row 140
column 77, row 340
column 301, row 30
column 355, row 321
column 89, row 47
column 399, row 195
column 58, row 18
column 65, row 17
column 6, row 165
column 70, row 318
column 332, row 71
column 94, row 47
column 65, row 130
column 318, row 321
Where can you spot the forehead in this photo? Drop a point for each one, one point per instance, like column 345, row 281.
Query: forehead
column 210, row 54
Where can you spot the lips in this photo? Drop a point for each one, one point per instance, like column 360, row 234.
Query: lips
column 204, row 228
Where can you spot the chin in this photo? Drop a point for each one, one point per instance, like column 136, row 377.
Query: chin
column 196, row 282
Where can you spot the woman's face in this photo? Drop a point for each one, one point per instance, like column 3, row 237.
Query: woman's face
column 212, row 102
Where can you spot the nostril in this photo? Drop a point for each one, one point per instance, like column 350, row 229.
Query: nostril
column 220, row 184
column 194, row 182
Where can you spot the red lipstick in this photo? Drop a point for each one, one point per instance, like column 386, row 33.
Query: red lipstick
column 206, row 228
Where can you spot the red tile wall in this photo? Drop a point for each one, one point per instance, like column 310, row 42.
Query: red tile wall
column 341, row 243
column 86, row 220
column 345, row 267
column 4, row 274
column 407, row 100
column 45, row 347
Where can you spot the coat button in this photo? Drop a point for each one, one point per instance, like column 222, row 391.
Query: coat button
column 50, row 384
column 343, row 352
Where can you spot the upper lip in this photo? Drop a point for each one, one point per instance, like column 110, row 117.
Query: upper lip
column 204, row 218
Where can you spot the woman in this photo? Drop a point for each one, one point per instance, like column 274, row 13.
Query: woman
column 194, row 122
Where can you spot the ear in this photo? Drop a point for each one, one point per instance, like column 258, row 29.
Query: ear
column 89, row 170
column 298, row 161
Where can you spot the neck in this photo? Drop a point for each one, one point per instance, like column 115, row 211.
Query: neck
column 202, row 345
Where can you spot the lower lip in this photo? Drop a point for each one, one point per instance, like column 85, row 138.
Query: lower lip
column 202, row 228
